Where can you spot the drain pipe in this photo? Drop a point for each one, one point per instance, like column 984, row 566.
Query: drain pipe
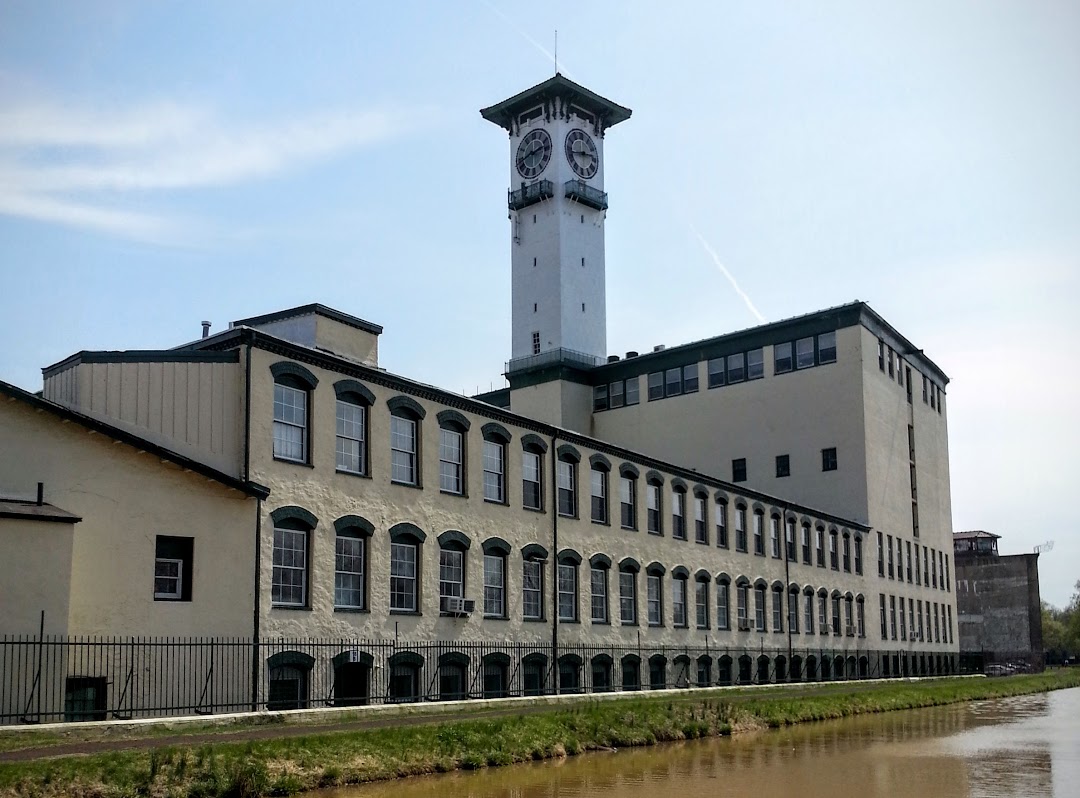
column 787, row 583
column 554, row 565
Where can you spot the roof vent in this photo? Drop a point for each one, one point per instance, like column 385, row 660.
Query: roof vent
column 205, row 329
column 659, row 348
column 612, row 358
column 631, row 354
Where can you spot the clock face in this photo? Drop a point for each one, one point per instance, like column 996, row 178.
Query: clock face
column 533, row 154
column 581, row 153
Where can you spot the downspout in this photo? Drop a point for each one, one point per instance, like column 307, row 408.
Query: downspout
column 787, row 583
column 247, row 413
column 256, row 665
column 554, row 565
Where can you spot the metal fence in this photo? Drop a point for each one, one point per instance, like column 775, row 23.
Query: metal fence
column 50, row 679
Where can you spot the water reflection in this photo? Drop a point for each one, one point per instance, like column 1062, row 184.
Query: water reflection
column 1027, row 746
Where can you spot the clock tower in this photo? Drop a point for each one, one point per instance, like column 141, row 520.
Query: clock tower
column 557, row 207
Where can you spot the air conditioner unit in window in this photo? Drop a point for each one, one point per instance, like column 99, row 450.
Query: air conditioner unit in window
column 455, row 605
column 744, row 626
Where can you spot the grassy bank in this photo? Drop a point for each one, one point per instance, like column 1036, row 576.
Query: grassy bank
column 293, row 764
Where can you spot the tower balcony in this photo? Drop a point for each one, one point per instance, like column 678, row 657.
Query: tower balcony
column 530, row 195
column 553, row 357
column 580, row 191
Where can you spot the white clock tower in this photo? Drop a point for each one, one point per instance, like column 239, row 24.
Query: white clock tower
column 557, row 209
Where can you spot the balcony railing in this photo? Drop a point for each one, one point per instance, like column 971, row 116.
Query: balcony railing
column 570, row 357
column 530, row 195
column 580, row 191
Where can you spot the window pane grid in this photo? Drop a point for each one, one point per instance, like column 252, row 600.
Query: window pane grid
column 349, row 572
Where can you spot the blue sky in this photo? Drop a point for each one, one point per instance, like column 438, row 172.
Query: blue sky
column 164, row 163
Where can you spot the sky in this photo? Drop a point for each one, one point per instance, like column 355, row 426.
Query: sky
column 164, row 163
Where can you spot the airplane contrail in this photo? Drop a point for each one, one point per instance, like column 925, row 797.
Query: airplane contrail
column 728, row 275
column 529, row 39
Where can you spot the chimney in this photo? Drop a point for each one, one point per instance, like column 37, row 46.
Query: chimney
column 659, row 348
column 206, row 329
column 631, row 354
column 612, row 358
column 40, row 493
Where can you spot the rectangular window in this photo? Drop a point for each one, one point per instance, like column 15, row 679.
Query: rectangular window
column 678, row 515
column 290, row 423
column 616, row 394
column 530, row 480
column 884, row 622
column 826, row 347
column 847, row 553
column 789, row 540
column 808, row 613
column 903, row 620
column 678, row 601
column 804, row 353
column 918, row 568
column 774, row 537
column 290, row 567
column 860, row 618
column 892, row 617
column 908, row 376
column 777, row 611
column 721, row 525
column 880, row 554
column 793, row 613
column 910, row 574
column 736, row 368
column 495, row 471
column 806, row 544
column 759, row 534
column 598, row 582
column 723, row 620
column 782, row 362
column 823, row 614
column 701, row 604
column 889, row 549
column 759, row 608
column 716, row 372
column 740, row 529
column 627, row 598
column 600, row 398
column 911, row 618
column 349, row 572
column 627, row 503
column 173, row 568
column 834, row 556
column 892, row 373
column 494, row 586
column 701, row 529
column 536, row 343
column 881, row 358
column 783, row 466
column 567, row 592
column 567, row 491
column 450, row 461
column 632, row 391
column 451, row 574
column 820, row 547
column 738, row 469
column 673, row 382
column 402, row 450
column 351, row 455
column 598, row 492
column 653, row 599
column 925, row 390
column 652, row 508
column 828, row 459
column 532, row 593
column 656, row 386
column 403, row 577
column 858, row 556
column 755, row 364
column 690, row 378
column 741, row 610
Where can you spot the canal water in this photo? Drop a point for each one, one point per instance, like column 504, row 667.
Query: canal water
column 1024, row 747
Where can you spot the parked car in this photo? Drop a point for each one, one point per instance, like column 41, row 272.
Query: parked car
column 998, row 670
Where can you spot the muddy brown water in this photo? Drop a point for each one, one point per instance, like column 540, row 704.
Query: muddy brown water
column 1026, row 746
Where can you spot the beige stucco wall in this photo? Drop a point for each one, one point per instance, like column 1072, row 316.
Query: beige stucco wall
column 330, row 495
column 127, row 498
column 190, row 407
column 347, row 340
column 37, row 575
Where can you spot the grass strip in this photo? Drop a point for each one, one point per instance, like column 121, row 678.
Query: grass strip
column 294, row 764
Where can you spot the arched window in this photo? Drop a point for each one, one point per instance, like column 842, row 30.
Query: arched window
column 453, row 676
column 654, row 486
column 858, row 554
column 599, row 567
column 834, row 556
column 628, row 476
column 654, row 593
column 701, row 598
column 760, row 589
column 599, row 467
column 777, row 607
column 721, row 522
column 533, row 448
column 820, row 546
column 568, row 585
column 351, row 410
column 723, row 602
column 532, row 582
column 740, row 527
column 293, row 386
column 793, row 609
column 808, row 609
column 774, row 535
column 657, row 672
column 860, row 616
column 601, row 673
column 679, row 578
column 628, row 571
column 742, row 596
column 404, row 682
column 453, row 550
column 406, row 543
column 805, row 534
column 406, row 414
column 849, row 615
column 496, row 675
column 289, row 685
column 701, row 515
column 569, row 673
column 836, row 613
column 350, row 544
column 847, row 553
column 789, row 539
column 678, row 509
column 496, row 439
column 631, row 672
column 292, row 553
column 823, row 611
column 534, row 674
column 566, row 478
column 496, row 551
column 453, row 438
column 352, row 678
column 759, row 532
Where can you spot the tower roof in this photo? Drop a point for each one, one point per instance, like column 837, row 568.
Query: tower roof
column 607, row 112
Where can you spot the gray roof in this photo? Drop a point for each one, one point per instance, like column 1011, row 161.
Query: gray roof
column 608, row 112
column 32, row 511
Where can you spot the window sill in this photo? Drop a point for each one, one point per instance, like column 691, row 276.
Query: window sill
column 534, row 620
column 628, row 623
column 172, row 600
column 459, row 494
column 600, row 623
column 600, row 522
column 496, row 617
column 359, row 610
column 406, row 612
column 655, row 533
column 573, row 516
column 540, row 510
column 656, row 626
column 569, row 620
column 702, row 542
column 496, row 501
column 414, row 485
column 345, row 473
column 288, row 461
column 291, row 607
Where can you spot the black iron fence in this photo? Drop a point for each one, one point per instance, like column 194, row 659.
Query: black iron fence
column 50, row 679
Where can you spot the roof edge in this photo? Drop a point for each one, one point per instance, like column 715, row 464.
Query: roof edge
column 304, row 310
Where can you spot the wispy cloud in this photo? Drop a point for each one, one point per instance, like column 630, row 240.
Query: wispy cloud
column 90, row 167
